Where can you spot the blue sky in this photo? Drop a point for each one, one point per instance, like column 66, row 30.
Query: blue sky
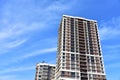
column 29, row 31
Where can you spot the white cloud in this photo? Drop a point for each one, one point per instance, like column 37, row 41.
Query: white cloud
column 17, row 24
column 14, row 35
column 111, row 57
column 39, row 52
column 110, row 29
column 18, row 69
column 15, row 43
column 10, row 44
column 28, row 55
column 113, row 65
column 7, row 77
column 17, row 29
column 111, row 53
column 109, row 32
column 60, row 5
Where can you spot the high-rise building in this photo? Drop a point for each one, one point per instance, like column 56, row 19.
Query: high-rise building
column 79, row 55
column 45, row 71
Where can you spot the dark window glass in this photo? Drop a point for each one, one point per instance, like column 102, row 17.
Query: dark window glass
column 72, row 44
column 72, row 55
column 72, row 74
column 92, row 59
column 72, row 50
column 62, row 73
column 72, row 58
column 72, row 38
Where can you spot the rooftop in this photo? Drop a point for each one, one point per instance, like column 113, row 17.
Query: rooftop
column 79, row 18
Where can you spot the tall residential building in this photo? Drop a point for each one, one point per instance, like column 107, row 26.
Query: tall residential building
column 45, row 71
column 79, row 55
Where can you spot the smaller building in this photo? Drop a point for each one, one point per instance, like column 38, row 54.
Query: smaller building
column 45, row 71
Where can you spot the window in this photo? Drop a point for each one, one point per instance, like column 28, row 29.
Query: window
column 92, row 59
column 39, row 75
column 77, row 57
column 72, row 74
column 63, row 57
column 72, row 44
column 72, row 36
column 72, row 32
column 72, row 57
column 72, row 29
column 72, row 49
column 63, row 60
column 62, row 73
column 63, row 64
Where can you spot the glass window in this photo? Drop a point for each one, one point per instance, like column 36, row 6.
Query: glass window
column 92, row 59
column 72, row 74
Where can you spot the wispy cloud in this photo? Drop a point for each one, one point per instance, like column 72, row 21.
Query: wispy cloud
column 15, row 43
column 110, row 29
column 19, row 23
column 38, row 52
column 113, row 65
column 28, row 55
column 8, row 45
column 111, row 57
column 17, row 69
column 14, row 36
column 7, row 77
column 60, row 5
column 22, row 23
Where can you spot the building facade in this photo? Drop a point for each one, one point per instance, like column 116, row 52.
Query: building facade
column 45, row 71
column 79, row 55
